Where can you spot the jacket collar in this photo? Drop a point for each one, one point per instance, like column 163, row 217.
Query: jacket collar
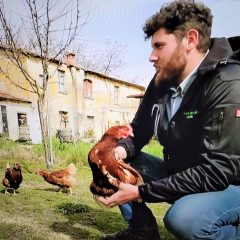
column 221, row 51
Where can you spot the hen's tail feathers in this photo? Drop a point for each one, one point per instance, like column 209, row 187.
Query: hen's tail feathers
column 72, row 169
column 100, row 204
column 8, row 166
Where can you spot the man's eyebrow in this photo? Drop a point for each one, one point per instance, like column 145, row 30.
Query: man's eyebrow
column 157, row 44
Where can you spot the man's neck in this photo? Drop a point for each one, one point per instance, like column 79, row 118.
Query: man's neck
column 194, row 60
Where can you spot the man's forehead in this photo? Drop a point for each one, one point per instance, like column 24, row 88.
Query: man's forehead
column 161, row 36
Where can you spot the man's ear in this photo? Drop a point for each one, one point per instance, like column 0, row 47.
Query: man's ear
column 192, row 39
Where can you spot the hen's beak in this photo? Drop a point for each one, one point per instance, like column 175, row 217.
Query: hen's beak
column 131, row 134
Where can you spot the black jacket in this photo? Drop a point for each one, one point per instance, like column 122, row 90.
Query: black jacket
column 202, row 140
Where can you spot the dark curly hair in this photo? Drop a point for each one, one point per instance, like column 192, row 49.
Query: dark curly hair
column 178, row 17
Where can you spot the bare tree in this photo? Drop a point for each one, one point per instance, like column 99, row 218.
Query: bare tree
column 105, row 59
column 47, row 30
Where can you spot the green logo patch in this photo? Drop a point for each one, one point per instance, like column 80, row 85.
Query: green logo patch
column 190, row 114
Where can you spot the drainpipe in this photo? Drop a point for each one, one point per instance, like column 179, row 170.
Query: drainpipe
column 74, row 103
column 71, row 62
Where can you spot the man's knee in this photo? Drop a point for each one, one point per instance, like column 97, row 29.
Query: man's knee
column 176, row 222
column 184, row 221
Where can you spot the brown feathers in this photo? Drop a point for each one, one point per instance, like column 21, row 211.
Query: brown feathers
column 13, row 177
column 63, row 178
column 106, row 170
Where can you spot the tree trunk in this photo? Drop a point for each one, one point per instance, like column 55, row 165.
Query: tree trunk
column 44, row 130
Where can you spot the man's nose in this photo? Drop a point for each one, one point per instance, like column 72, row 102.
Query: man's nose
column 153, row 57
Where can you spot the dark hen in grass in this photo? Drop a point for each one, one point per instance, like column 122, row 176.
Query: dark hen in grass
column 13, row 178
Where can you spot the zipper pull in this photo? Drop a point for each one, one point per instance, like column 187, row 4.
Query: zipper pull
column 220, row 118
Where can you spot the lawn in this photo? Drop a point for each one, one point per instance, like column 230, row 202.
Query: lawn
column 38, row 211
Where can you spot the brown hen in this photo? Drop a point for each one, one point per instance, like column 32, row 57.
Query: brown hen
column 106, row 170
column 62, row 178
column 13, row 178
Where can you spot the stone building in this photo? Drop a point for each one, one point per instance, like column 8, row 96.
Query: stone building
column 80, row 103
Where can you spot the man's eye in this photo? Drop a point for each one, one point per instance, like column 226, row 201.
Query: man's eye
column 159, row 46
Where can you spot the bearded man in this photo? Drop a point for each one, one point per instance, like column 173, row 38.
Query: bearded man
column 192, row 107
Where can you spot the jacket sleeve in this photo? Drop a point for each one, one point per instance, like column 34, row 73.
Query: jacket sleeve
column 220, row 148
column 142, row 124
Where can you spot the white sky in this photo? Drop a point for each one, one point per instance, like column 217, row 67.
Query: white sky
column 122, row 21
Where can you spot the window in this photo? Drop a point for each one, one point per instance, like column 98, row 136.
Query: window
column 63, row 119
column 61, row 80
column 116, row 94
column 90, row 121
column 89, row 127
column 87, row 88
column 4, row 122
column 22, row 119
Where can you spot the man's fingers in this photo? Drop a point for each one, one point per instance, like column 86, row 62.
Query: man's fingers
column 113, row 205
column 121, row 185
column 105, row 201
column 108, row 202
column 118, row 198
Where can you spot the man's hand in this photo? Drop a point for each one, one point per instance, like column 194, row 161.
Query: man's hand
column 126, row 193
column 120, row 153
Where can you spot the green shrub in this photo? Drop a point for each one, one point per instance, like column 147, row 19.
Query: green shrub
column 72, row 153
column 71, row 208
column 7, row 144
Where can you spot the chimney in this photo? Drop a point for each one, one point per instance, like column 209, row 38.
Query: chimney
column 70, row 59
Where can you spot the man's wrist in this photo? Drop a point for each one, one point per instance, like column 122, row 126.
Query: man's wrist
column 142, row 190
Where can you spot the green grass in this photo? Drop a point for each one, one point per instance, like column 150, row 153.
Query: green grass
column 38, row 211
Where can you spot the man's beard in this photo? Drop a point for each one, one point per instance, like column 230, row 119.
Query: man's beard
column 171, row 72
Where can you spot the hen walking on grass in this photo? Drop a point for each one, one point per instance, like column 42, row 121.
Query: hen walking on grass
column 64, row 178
